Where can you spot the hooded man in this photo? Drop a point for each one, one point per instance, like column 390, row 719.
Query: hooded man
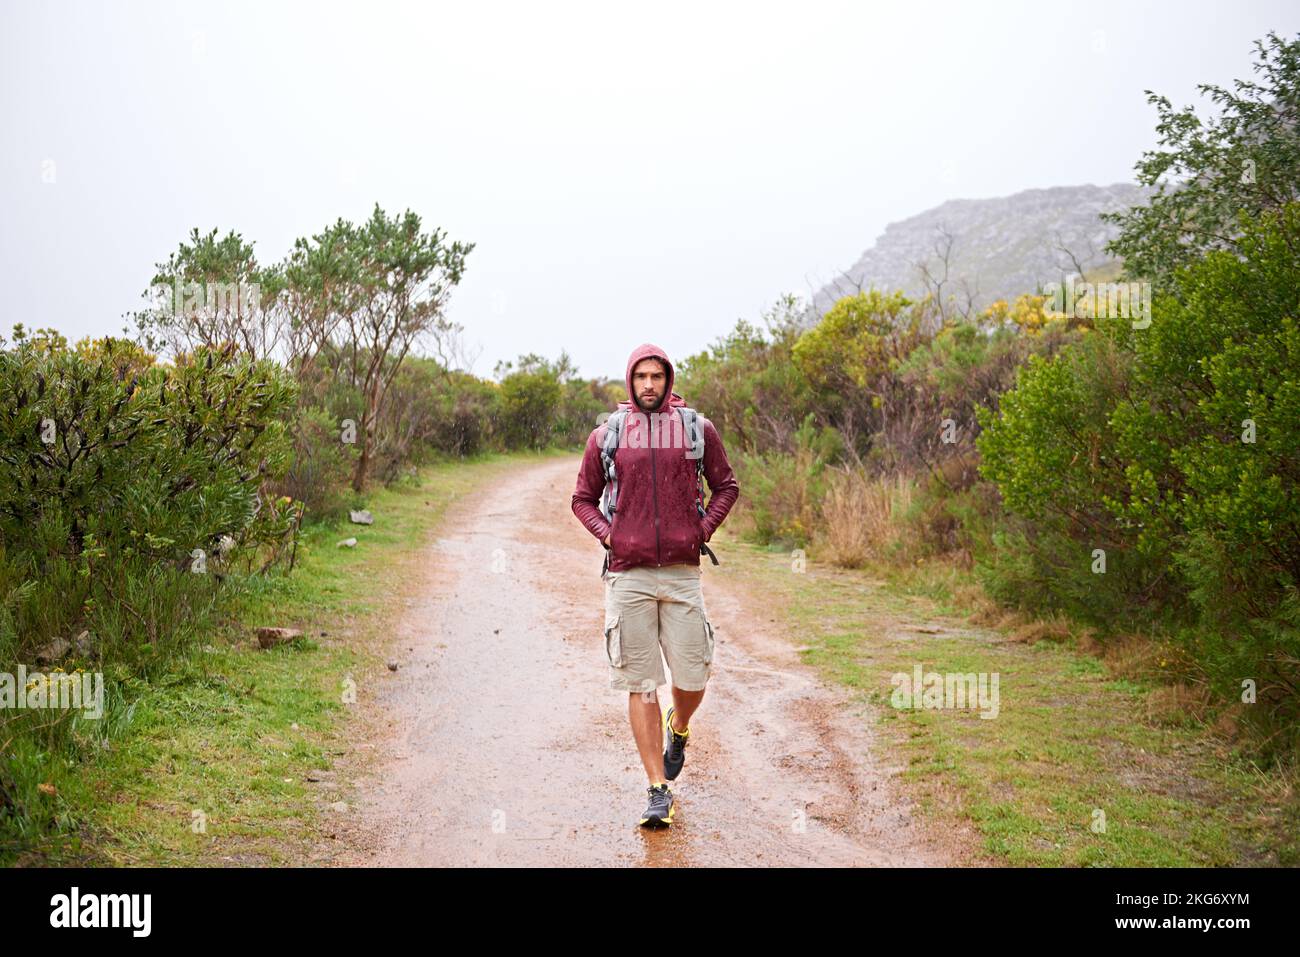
column 653, row 600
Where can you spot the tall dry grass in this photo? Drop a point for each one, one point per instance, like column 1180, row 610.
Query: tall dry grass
column 863, row 517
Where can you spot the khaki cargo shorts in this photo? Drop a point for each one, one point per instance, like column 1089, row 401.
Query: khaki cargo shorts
column 648, row 608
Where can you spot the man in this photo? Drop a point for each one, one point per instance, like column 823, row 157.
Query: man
column 653, row 599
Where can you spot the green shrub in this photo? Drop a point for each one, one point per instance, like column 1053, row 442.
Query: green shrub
column 321, row 466
column 117, row 476
column 1176, row 448
column 783, row 491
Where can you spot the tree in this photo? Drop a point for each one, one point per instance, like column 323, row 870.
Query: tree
column 851, row 357
column 211, row 292
column 747, row 383
column 318, row 294
column 1246, row 159
column 1176, row 450
column 935, row 277
column 530, row 400
column 400, row 279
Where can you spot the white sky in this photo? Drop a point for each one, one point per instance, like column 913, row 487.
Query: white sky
column 629, row 172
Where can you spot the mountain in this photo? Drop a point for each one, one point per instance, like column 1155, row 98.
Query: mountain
column 996, row 248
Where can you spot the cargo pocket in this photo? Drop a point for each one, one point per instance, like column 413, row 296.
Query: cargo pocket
column 614, row 641
column 708, row 641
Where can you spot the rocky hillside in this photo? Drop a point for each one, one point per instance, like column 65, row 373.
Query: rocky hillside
column 995, row 248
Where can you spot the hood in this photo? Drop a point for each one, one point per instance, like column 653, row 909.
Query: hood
column 648, row 350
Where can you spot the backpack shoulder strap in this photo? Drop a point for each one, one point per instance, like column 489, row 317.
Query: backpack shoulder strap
column 693, row 423
column 608, row 447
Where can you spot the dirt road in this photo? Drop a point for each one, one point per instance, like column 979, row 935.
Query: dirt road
column 499, row 741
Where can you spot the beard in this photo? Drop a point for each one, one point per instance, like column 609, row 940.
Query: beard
column 641, row 403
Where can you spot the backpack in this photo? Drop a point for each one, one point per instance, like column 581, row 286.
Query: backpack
column 694, row 433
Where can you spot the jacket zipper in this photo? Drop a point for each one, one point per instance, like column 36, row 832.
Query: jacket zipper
column 654, row 484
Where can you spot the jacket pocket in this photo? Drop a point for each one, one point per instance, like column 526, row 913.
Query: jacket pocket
column 614, row 531
column 614, row 640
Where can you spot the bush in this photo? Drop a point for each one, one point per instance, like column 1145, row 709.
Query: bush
column 1051, row 451
column 1177, row 449
column 749, row 386
column 121, row 480
column 530, row 403
column 784, row 492
column 119, row 476
column 321, row 467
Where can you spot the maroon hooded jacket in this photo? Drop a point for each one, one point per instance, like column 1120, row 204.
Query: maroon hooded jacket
column 655, row 518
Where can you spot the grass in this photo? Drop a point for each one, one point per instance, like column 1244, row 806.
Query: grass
column 1076, row 769
column 212, row 769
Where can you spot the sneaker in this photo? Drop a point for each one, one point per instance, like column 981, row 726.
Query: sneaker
column 660, row 811
column 674, row 748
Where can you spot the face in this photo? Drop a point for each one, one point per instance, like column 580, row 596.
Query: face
column 649, row 382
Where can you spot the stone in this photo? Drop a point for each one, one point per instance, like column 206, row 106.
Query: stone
column 84, row 646
column 270, row 637
column 54, row 652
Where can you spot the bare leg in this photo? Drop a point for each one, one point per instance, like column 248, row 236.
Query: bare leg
column 647, row 727
column 684, row 705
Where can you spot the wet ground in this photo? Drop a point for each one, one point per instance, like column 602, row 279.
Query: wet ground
column 498, row 741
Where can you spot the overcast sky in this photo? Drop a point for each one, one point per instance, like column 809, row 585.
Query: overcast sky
column 629, row 172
